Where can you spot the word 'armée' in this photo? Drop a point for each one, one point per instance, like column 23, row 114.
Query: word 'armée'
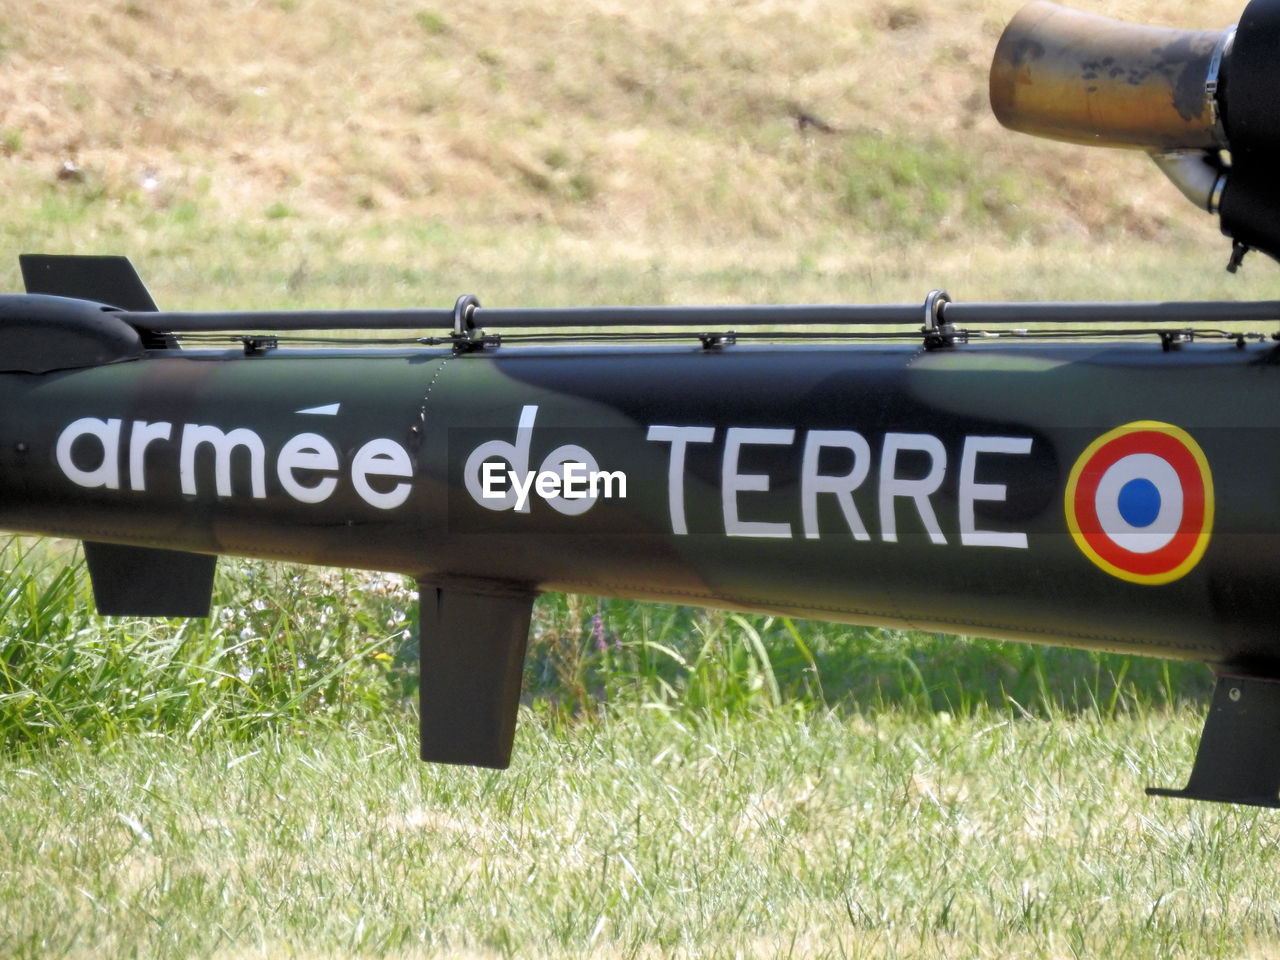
column 302, row 458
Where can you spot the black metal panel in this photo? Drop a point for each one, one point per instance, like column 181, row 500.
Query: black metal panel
column 1239, row 756
column 149, row 582
column 1248, row 84
column 41, row 333
column 472, row 662
column 110, row 280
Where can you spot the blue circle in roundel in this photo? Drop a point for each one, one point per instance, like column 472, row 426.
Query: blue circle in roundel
column 1139, row 502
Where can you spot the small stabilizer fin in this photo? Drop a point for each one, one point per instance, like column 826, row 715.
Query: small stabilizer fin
column 1238, row 760
column 472, row 663
column 109, row 280
column 148, row 581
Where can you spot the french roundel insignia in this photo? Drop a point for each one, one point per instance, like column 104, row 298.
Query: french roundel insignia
column 1139, row 502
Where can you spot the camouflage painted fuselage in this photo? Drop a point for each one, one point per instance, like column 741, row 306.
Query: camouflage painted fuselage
column 866, row 484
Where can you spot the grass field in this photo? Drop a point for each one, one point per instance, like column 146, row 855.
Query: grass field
column 647, row 833
column 685, row 783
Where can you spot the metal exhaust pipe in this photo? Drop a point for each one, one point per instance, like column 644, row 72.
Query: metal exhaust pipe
column 1073, row 76
column 1203, row 103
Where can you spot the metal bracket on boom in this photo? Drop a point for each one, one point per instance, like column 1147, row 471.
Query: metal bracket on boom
column 1238, row 760
column 1238, row 250
column 467, row 337
column 937, row 332
column 714, row 341
column 256, row 346
column 1174, row 339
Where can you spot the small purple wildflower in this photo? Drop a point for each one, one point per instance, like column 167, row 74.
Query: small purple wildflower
column 597, row 631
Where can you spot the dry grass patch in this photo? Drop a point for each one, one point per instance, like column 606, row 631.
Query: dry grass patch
column 606, row 119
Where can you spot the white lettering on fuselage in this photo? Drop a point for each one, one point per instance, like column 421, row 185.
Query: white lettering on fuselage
column 307, row 466
column 918, row 491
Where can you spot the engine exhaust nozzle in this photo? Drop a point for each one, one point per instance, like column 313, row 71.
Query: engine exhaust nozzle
column 1073, row 76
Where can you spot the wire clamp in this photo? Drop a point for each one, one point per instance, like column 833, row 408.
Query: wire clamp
column 937, row 332
column 467, row 337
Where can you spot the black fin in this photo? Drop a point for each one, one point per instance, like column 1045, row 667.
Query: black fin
column 472, row 663
column 109, row 280
column 149, row 582
column 1238, row 760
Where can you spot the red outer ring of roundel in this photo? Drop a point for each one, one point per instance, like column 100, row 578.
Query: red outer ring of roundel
column 1184, row 464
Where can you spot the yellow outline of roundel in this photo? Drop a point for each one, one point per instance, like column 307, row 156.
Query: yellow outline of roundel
column 1202, row 540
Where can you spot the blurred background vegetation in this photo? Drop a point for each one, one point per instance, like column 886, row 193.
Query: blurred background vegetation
column 254, row 153
column 294, row 647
